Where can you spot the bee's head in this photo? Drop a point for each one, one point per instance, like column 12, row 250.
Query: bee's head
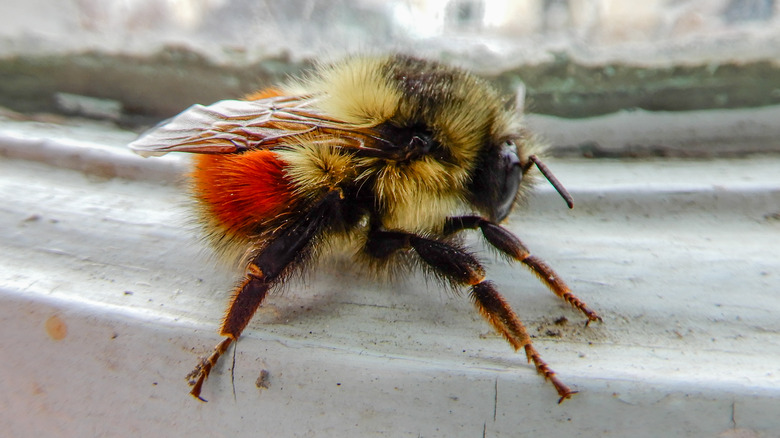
column 496, row 180
column 502, row 174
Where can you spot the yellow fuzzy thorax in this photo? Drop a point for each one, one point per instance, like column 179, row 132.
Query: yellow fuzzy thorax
column 364, row 91
column 415, row 195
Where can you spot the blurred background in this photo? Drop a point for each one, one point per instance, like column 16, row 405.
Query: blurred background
column 148, row 59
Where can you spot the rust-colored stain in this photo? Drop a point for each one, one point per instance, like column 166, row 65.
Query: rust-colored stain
column 56, row 328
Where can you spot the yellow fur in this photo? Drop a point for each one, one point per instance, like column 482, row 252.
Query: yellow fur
column 314, row 168
column 468, row 119
column 419, row 195
column 353, row 91
column 415, row 196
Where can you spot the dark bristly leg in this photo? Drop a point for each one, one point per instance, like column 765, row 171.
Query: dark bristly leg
column 243, row 306
column 282, row 253
column 202, row 370
column 507, row 243
column 462, row 268
column 497, row 311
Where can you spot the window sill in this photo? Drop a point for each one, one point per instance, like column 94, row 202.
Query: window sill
column 679, row 257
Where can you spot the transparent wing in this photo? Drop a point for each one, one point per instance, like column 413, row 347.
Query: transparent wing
column 231, row 126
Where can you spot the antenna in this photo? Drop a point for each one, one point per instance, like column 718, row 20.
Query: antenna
column 553, row 180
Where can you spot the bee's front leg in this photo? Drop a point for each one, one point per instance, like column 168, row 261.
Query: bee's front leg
column 508, row 244
column 461, row 268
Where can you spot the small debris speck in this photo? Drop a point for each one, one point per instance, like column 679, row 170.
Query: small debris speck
column 264, row 380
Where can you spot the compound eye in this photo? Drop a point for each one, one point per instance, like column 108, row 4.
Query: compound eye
column 512, row 173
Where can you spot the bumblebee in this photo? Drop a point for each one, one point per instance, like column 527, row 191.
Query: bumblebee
column 392, row 155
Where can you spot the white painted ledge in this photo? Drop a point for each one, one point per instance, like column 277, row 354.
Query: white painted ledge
column 680, row 257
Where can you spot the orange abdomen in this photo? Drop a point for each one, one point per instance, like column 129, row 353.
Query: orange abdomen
column 244, row 192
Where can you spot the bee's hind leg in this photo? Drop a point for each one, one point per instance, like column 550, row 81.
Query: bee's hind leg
column 280, row 254
column 203, row 369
